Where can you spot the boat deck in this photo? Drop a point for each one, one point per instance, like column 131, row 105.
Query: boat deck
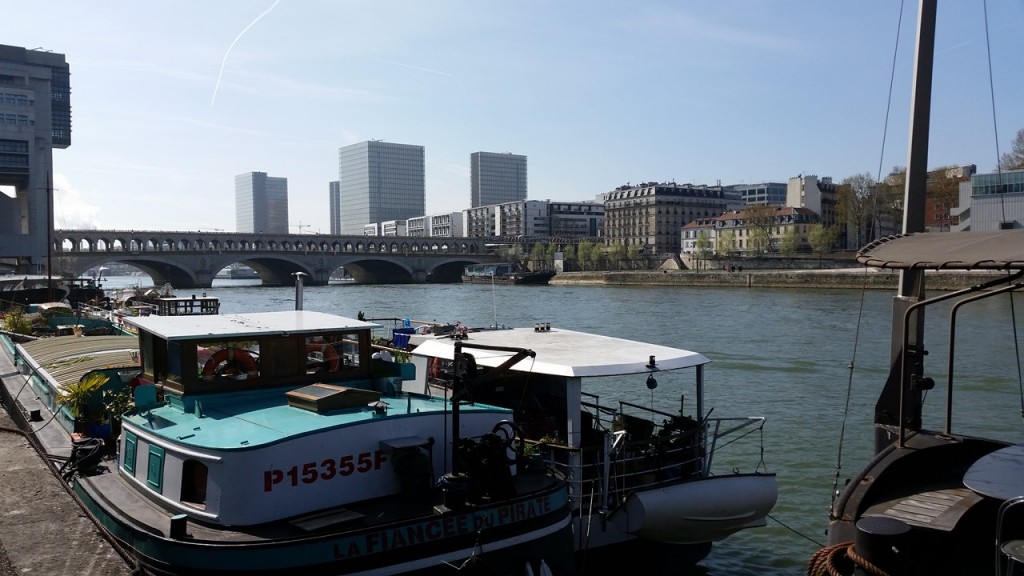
column 249, row 419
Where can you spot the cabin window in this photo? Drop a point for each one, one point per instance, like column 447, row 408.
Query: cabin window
column 130, row 443
column 219, row 361
column 155, row 469
column 333, row 353
column 193, row 483
column 146, row 343
column 174, row 361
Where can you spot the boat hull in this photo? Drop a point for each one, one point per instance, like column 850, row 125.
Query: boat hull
column 531, row 278
column 698, row 511
column 509, row 532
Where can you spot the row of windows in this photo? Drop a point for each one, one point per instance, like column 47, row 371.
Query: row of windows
column 15, row 146
column 16, row 120
column 15, row 99
column 8, row 161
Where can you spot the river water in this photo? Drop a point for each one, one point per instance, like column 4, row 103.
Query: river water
column 785, row 354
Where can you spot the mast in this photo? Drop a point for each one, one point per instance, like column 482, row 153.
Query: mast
column 49, row 232
column 904, row 374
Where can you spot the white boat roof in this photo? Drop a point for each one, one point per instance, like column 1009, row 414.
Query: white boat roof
column 566, row 352
column 242, row 325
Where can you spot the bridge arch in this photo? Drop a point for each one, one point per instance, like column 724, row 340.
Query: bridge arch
column 192, row 259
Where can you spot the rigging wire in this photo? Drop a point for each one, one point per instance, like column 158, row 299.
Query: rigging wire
column 885, row 127
column 995, row 124
column 860, row 310
column 1002, row 201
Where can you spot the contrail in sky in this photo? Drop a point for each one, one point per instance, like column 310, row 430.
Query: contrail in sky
column 233, row 42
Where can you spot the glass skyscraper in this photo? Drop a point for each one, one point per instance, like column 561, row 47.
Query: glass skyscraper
column 379, row 182
column 496, row 178
column 261, row 203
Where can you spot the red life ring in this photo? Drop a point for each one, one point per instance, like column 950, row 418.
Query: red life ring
column 434, row 367
column 330, row 355
column 239, row 359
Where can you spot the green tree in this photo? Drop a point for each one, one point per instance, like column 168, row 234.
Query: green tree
column 822, row 239
column 569, row 256
column 759, row 220
column 759, row 242
column 855, row 202
column 726, row 243
column 597, row 256
column 702, row 247
column 537, row 253
column 616, row 256
column 789, row 243
column 1014, row 159
column 15, row 321
column 888, row 203
column 583, row 251
column 632, row 255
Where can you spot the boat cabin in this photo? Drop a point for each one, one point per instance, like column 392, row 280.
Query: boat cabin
column 174, row 306
column 238, row 352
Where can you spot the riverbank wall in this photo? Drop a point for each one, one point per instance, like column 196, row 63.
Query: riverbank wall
column 840, row 278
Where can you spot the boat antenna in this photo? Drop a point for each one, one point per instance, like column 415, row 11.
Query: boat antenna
column 298, row 289
column 494, row 301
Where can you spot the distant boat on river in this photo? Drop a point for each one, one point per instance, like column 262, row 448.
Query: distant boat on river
column 505, row 273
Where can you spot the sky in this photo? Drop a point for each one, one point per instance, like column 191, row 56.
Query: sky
column 171, row 100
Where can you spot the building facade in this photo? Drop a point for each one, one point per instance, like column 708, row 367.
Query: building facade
column 576, row 219
column 496, row 178
column 261, row 203
column 380, row 181
column 524, row 218
column 992, row 201
column 651, row 215
column 35, row 118
column 816, row 194
column 752, row 232
column 334, row 197
column 764, row 194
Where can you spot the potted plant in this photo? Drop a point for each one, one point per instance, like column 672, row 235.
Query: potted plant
column 115, row 405
column 76, row 396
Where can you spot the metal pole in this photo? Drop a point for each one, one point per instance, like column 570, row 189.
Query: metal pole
column 298, row 289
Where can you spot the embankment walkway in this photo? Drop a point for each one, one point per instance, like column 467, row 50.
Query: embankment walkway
column 845, row 278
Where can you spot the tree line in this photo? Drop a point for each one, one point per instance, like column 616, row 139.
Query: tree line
column 865, row 208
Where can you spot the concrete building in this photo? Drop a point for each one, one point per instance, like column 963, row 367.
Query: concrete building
column 496, row 178
column 523, row 218
column 576, row 219
column 991, row 201
column 334, row 196
column 815, row 194
column 35, row 118
column 651, row 215
column 261, row 203
column 380, row 181
column 765, row 193
column 448, row 225
column 393, row 228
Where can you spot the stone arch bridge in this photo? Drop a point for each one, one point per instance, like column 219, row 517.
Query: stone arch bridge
column 192, row 259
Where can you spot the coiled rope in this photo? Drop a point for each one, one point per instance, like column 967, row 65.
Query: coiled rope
column 840, row 560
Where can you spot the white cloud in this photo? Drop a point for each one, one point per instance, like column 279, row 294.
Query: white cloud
column 70, row 211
